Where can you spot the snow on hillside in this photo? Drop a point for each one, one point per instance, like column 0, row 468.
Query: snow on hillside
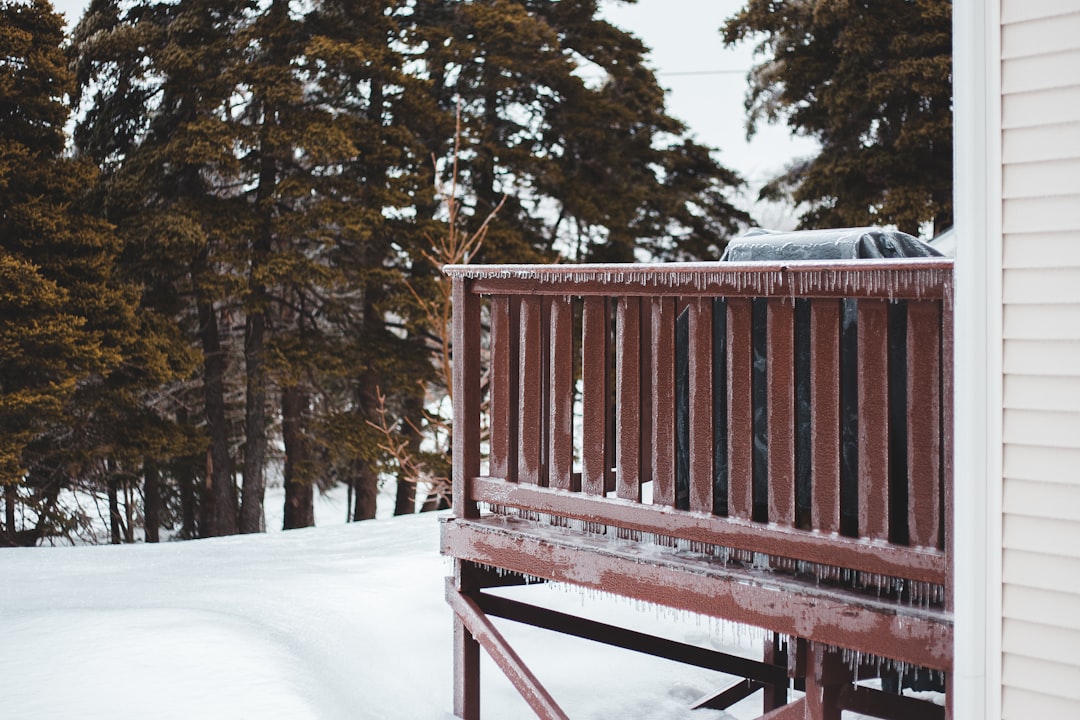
column 327, row 623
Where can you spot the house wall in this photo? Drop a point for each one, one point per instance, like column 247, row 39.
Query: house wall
column 1040, row 363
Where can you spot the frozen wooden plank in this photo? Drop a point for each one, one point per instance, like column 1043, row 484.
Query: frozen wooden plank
column 825, row 419
column 662, row 338
column 503, row 380
column 701, row 428
column 924, row 422
column 561, row 404
column 740, row 409
column 531, row 392
column 780, row 407
column 873, row 420
column 628, row 398
column 594, row 395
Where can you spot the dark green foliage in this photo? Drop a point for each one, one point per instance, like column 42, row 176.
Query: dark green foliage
column 871, row 81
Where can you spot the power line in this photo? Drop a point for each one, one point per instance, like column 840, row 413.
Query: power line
column 678, row 73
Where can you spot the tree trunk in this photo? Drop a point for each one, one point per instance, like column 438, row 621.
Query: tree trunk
column 299, row 492
column 219, row 497
column 186, row 479
column 114, row 510
column 10, row 498
column 252, row 518
column 151, row 500
column 367, row 490
column 405, row 499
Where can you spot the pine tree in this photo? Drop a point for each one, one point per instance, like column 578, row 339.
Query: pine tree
column 69, row 319
column 160, row 124
column 871, row 81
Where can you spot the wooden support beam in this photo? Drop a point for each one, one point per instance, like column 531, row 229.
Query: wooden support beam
column 473, row 620
column 629, row 639
column 727, row 697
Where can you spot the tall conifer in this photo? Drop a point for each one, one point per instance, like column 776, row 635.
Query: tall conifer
column 870, row 80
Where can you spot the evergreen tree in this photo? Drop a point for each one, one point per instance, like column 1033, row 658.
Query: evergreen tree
column 69, row 319
column 871, row 82
column 563, row 116
column 160, row 123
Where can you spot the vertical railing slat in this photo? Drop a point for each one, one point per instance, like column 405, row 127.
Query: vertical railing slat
column 873, row 419
column 628, row 398
column 594, row 395
column 561, row 404
column 924, row 422
column 530, row 398
column 662, row 339
column 740, row 408
column 825, row 422
column 780, row 372
column 945, row 541
column 465, row 335
column 503, row 412
column 700, row 356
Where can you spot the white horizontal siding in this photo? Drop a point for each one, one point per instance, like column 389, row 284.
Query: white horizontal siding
column 1049, row 678
column 1017, row 11
column 1042, row 322
column 1046, row 178
column 1042, row 357
column 1047, row 607
column 1049, row 500
column 1020, row 704
column 1039, row 72
column 1041, row 107
column 1039, row 571
column 1042, row 214
column 1045, row 286
column 1040, row 535
column 1038, row 640
column 1031, row 144
column 1041, row 463
column 1040, row 392
column 1040, row 36
column 1041, row 250
column 1042, row 428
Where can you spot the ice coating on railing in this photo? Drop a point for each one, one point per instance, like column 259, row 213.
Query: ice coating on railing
column 913, row 279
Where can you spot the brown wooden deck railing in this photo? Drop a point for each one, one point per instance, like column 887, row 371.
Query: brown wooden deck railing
column 796, row 412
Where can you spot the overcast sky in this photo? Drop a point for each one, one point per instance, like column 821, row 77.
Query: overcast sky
column 706, row 82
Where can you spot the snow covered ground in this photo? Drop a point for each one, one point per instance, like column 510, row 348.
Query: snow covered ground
column 334, row 622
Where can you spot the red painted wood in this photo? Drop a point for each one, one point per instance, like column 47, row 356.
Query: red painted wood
column 466, row 652
column 765, row 600
column 561, row 403
column 594, row 395
column 504, row 388
column 924, row 422
column 628, row 398
column 701, row 406
column 489, row 637
column 531, row 408
column 647, row 372
column 792, row 711
column 826, row 676
column 740, row 409
column 465, row 334
column 946, row 543
column 662, row 310
column 878, row 558
column 780, row 374
column 873, row 420
column 884, row 279
column 825, row 414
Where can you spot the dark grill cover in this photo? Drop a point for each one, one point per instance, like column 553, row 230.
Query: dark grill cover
column 838, row 244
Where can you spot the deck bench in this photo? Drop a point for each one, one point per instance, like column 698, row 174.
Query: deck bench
column 569, row 466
